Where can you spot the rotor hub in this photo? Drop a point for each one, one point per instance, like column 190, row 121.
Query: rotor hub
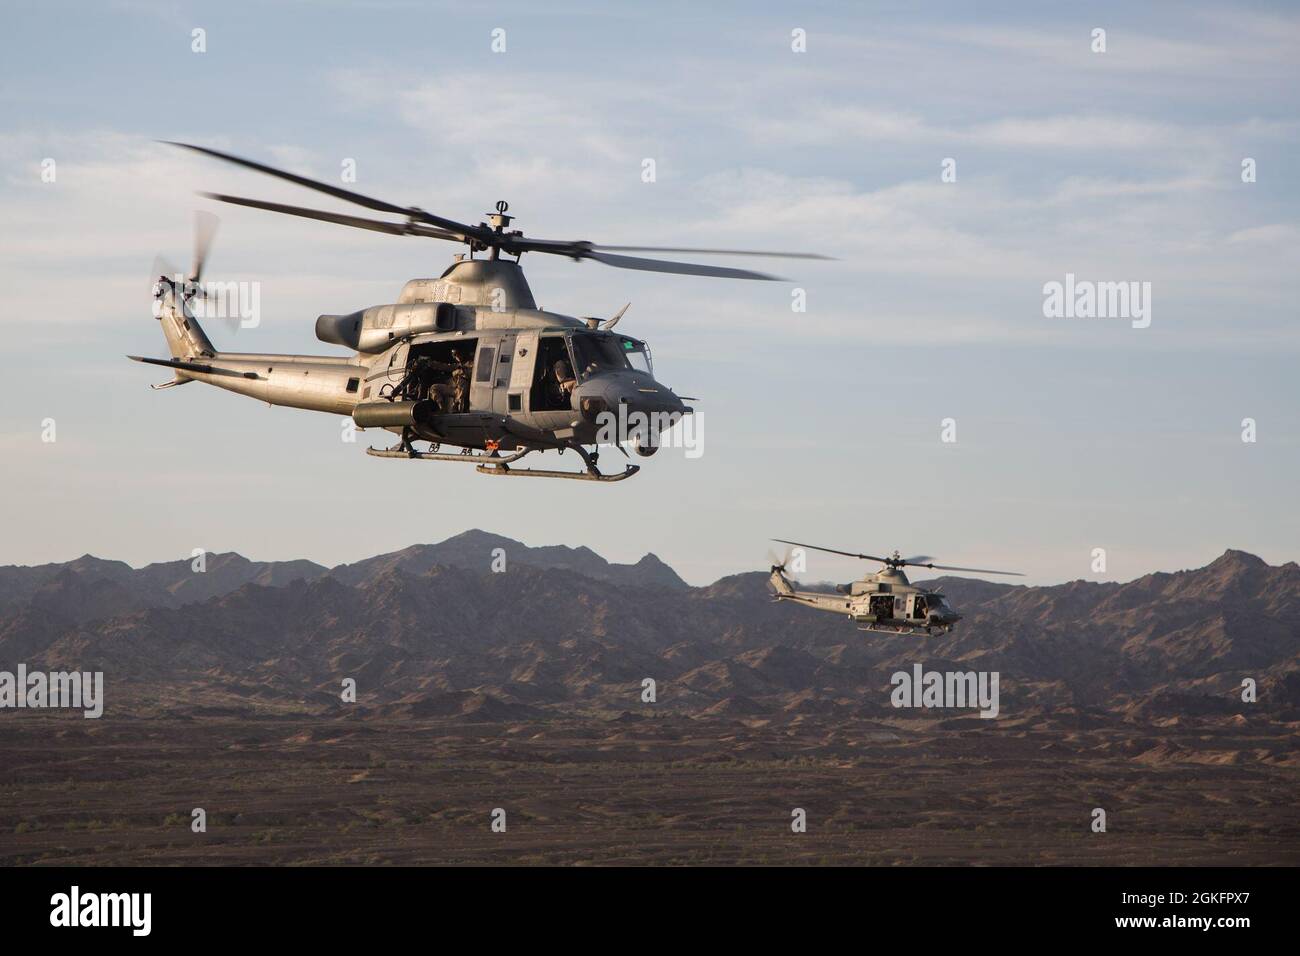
column 499, row 220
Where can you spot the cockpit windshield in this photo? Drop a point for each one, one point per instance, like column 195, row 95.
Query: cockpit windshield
column 601, row 351
column 638, row 355
column 596, row 352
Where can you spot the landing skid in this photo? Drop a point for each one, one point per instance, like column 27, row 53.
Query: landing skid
column 541, row 473
column 903, row 629
column 591, row 474
column 492, row 463
column 409, row 452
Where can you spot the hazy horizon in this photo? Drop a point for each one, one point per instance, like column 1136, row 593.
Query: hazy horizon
column 825, row 564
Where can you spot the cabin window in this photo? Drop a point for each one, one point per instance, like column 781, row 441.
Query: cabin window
column 486, row 356
column 354, row 384
column 516, row 402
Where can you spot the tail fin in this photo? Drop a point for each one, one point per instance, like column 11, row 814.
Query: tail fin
column 779, row 583
column 186, row 339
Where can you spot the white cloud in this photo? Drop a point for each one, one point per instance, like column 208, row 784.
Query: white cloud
column 1278, row 233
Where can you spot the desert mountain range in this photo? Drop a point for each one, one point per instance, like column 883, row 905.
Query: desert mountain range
column 432, row 631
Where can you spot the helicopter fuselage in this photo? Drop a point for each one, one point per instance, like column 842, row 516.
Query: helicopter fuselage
column 466, row 359
column 884, row 601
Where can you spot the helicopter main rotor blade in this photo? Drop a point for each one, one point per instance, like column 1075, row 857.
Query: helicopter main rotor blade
column 587, row 250
column 716, row 252
column 949, row 567
column 678, row 268
column 461, row 230
column 847, row 554
column 483, row 236
column 359, row 222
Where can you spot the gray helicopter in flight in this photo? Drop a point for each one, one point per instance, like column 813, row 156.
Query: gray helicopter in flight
column 884, row 601
column 465, row 360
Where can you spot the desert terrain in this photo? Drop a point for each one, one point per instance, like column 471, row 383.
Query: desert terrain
column 523, row 691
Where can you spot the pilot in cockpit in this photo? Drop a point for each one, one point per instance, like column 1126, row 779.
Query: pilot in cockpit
column 564, row 382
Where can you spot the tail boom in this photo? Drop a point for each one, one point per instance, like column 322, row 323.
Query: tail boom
column 785, row 591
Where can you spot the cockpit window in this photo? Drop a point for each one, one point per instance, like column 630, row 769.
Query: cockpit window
column 638, row 355
column 598, row 352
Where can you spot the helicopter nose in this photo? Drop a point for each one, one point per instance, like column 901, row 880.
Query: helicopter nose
column 639, row 393
column 651, row 397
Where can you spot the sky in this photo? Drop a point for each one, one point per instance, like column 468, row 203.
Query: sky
column 825, row 425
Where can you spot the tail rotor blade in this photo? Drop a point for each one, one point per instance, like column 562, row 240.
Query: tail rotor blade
column 782, row 561
column 205, row 228
column 164, row 270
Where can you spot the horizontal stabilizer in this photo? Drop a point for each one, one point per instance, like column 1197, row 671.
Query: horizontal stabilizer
column 192, row 366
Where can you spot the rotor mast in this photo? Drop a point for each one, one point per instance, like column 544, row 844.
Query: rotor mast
column 499, row 221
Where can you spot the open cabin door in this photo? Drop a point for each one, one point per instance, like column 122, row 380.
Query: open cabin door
column 387, row 373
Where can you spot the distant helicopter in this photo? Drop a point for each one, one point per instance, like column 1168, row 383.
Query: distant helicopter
column 885, row 601
column 466, row 360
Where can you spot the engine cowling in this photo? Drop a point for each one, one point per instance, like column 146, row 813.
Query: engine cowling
column 374, row 329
